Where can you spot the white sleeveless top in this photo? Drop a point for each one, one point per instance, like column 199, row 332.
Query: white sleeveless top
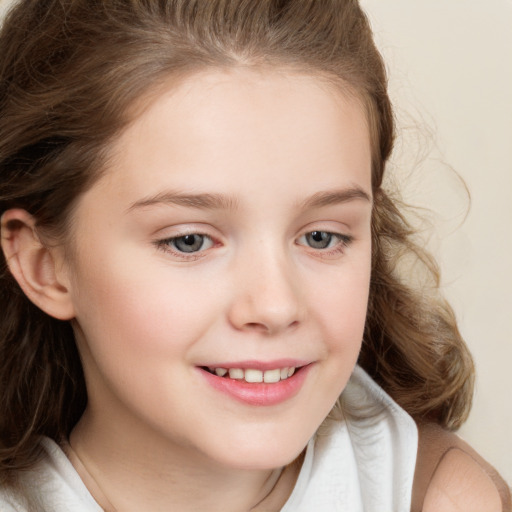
column 362, row 461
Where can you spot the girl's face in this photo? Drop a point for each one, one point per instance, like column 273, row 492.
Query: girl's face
column 230, row 231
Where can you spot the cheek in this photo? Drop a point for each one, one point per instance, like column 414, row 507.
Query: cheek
column 133, row 311
column 136, row 331
column 343, row 306
column 339, row 312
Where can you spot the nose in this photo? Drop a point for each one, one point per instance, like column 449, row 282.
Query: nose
column 267, row 297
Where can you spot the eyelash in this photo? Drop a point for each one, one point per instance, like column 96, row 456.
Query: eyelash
column 169, row 244
column 343, row 242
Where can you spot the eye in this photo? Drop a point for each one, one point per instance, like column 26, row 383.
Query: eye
column 322, row 239
column 189, row 243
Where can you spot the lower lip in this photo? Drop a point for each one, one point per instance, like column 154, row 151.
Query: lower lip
column 260, row 394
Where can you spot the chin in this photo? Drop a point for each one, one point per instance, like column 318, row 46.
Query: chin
column 256, row 456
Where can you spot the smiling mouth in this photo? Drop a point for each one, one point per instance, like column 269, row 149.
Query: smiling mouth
column 251, row 375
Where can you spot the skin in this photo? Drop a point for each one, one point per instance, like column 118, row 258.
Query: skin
column 460, row 484
column 290, row 155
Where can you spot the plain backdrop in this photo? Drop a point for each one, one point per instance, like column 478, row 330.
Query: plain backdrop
column 450, row 68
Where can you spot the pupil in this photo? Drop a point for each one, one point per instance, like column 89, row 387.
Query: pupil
column 319, row 239
column 189, row 243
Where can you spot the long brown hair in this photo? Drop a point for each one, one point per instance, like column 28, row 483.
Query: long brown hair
column 70, row 72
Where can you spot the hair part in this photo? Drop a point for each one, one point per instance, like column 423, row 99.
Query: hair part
column 71, row 74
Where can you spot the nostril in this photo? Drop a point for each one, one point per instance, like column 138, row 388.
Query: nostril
column 256, row 326
column 268, row 328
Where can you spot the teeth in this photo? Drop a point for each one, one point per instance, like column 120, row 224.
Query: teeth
column 272, row 375
column 236, row 373
column 253, row 375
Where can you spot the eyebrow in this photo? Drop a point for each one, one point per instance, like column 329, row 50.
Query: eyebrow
column 204, row 201
column 332, row 197
column 209, row 201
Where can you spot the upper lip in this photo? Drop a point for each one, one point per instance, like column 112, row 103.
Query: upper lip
column 260, row 365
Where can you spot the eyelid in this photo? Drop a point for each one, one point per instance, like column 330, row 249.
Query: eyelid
column 344, row 241
column 164, row 243
column 347, row 239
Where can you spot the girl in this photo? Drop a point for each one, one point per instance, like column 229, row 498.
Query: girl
column 203, row 302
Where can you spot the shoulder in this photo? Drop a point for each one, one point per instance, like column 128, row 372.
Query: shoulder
column 7, row 505
column 460, row 484
column 51, row 484
column 455, row 478
column 10, row 500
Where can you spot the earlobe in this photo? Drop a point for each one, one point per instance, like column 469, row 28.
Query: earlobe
column 36, row 267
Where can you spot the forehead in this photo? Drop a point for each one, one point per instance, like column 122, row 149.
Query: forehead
column 227, row 128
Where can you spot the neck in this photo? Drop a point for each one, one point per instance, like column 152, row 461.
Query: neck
column 125, row 476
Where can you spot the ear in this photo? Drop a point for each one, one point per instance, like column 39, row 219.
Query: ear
column 39, row 270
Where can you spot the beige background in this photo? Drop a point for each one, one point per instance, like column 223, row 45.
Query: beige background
column 450, row 65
